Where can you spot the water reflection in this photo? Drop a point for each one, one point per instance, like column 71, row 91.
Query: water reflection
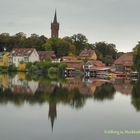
column 135, row 98
column 21, row 88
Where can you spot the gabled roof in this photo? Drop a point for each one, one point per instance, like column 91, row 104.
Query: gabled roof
column 73, row 61
column 125, row 59
column 96, row 63
column 4, row 54
column 69, row 58
column 22, row 51
column 87, row 53
column 44, row 55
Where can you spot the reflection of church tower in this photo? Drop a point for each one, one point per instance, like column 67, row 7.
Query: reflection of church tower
column 55, row 27
column 52, row 113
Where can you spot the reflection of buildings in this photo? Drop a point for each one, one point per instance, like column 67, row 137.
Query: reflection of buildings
column 74, row 92
column 73, row 83
column 4, row 81
column 123, row 86
column 18, row 84
column 86, row 88
column 22, row 86
column 91, row 86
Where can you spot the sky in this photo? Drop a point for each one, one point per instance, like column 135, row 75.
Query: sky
column 112, row 21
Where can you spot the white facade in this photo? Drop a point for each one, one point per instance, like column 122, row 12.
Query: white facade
column 30, row 86
column 33, row 57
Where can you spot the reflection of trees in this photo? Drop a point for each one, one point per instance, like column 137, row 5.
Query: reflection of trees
column 57, row 95
column 106, row 91
column 78, row 100
column 63, row 95
column 19, row 99
column 135, row 98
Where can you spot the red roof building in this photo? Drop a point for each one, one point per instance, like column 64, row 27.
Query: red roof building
column 124, row 62
column 88, row 54
column 44, row 55
column 19, row 55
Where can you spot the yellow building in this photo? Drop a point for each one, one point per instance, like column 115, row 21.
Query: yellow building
column 88, row 54
column 4, row 80
column 4, row 59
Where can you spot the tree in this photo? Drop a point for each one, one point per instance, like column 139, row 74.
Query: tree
column 80, row 41
column 136, row 57
column 61, row 47
column 106, row 91
column 135, row 96
column 108, row 60
column 19, row 40
column 4, row 41
column 105, row 52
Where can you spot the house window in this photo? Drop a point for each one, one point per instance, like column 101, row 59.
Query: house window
column 26, row 59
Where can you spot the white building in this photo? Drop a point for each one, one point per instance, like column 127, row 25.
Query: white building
column 19, row 86
column 19, row 55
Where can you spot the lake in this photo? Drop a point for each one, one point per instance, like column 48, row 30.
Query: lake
column 39, row 108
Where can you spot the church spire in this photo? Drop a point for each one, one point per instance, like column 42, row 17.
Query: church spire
column 55, row 27
column 55, row 17
column 52, row 113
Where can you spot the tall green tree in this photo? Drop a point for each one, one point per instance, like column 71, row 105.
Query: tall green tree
column 61, row 47
column 135, row 96
column 136, row 57
column 80, row 41
column 106, row 52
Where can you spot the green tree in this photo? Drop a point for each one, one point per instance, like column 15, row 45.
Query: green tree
column 106, row 91
column 80, row 41
column 61, row 47
column 105, row 52
column 136, row 57
column 135, row 96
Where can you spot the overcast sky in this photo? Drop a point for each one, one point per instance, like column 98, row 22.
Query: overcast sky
column 113, row 21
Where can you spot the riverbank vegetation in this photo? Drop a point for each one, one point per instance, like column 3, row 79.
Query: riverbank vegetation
column 72, row 45
column 66, row 46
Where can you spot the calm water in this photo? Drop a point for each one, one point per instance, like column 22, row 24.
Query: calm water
column 35, row 108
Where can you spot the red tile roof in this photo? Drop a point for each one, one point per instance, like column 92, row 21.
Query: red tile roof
column 69, row 58
column 44, row 55
column 97, row 63
column 125, row 59
column 87, row 53
column 22, row 51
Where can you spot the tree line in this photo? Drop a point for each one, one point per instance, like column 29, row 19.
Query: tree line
column 72, row 45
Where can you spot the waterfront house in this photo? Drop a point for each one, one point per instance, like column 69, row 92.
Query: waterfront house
column 73, row 62
column 88, row 54
column 4, row 59
column 124, row 63
column 21, row 55
column 94, row 67
column 93, row 64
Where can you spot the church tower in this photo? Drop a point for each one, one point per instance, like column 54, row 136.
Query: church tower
column 52, row 113
column 55, row 27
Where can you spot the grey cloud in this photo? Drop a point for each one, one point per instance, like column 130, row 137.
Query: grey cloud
column 115, row 21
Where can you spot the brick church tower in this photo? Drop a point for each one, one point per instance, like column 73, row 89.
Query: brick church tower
column 55, row 27
column 52, row 113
